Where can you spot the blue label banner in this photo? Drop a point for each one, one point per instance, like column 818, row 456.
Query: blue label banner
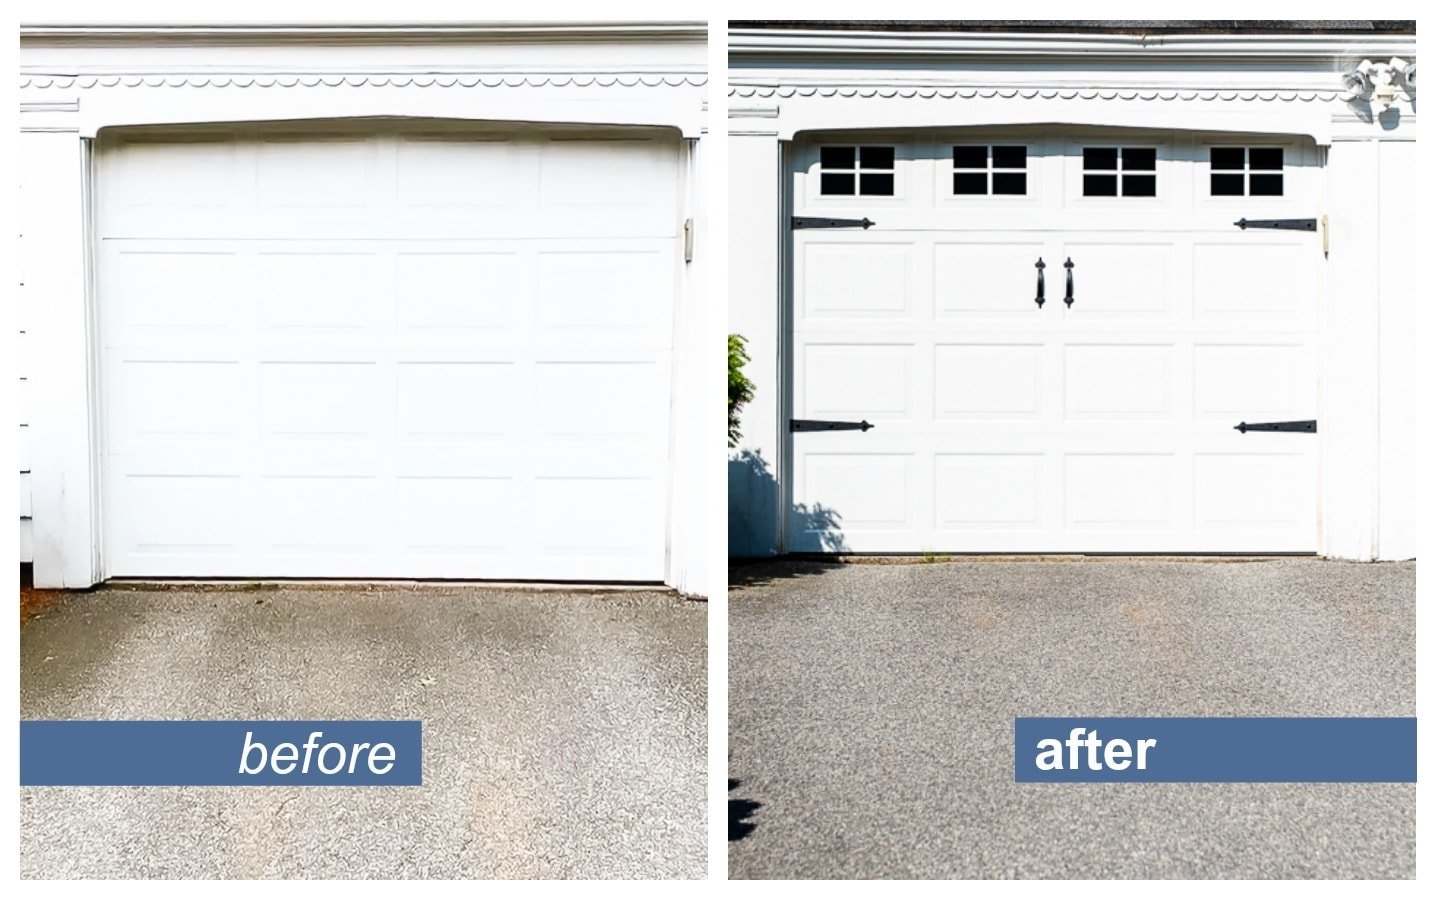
column 1074, row 749
column 215, row 753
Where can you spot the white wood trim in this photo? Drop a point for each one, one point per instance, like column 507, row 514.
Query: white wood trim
column 368, row 31
column 755, row 239
column 689, row 439
column 906, row 107
column 749, row 43
column 122, row 109
column 1403, row 396
column 63, row 486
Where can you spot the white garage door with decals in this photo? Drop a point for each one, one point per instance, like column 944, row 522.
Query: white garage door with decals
column 1103, row 424
column 434, row 352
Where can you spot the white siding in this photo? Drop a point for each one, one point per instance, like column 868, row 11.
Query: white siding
column 27, row 552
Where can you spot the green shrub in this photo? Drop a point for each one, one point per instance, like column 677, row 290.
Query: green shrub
column 740, row 389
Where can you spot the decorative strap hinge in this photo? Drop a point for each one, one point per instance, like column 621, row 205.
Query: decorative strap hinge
column 1305, row 425
column 819, row 222
column 1279, row 224
column 827, row 425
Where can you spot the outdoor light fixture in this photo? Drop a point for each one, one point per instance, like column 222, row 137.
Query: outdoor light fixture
column 1383, row 83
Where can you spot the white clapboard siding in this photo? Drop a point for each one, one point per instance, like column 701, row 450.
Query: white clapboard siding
column 23, row 363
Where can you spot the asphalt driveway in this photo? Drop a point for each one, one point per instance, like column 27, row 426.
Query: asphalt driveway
column 565, row 732
column 871, row 711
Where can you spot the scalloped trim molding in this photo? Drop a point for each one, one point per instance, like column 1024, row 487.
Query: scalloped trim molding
column 86, row 82
column 969, row 93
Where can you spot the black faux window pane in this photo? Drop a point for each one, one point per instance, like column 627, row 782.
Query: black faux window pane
column 1139, row 185
column 969, row 183
column 1266, row 185
column 1099, row 158
column 838, row 182
column 1228, row 185
column 1265, row 158
column 876, row 158
column 876, row 185
column 1009, row 157
column 1009, row 182
column 969, row 157
column 1099, row 185
column 1139, row 159
column 1228, row 158
column 839, row 157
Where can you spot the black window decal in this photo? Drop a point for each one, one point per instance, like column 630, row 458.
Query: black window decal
column 1119, row 171
column 1247, row 171
column 867, row 170
column 980, row 169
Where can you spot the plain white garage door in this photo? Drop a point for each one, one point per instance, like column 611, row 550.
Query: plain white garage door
column 1106, row 425
column 434, row 352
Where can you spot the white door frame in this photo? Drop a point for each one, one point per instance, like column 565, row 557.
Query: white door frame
column 788, row 146
column 68, row 515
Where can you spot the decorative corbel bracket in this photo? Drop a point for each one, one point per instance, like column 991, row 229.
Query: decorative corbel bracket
column 1381, row 84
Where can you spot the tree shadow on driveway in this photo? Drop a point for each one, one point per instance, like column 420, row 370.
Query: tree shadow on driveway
column 739, row 812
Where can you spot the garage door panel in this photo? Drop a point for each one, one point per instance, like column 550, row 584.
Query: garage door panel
column 437, row 173
column 619, row 188
column 1252, row 490
column 988, row 381
column 391, row 355
column 426, row 523
column 1119, row 279
column 298, row 513
column 1119, row 381
column 856, row 493
column 608, row 516
column 456, row 399
column 1224, row 386
column 858, row 380
column 467, row 289
column 174, row 288
column 169, row 178
column 319, row 290
column 173, row 398
column 603, row 288
column 852, row 280
column 184, row 516
column 1120, row 491
column 612, row 398
column 989, row 491
column 991, row 279
column 318, row 398
column 306, row 173
column 1258, row 279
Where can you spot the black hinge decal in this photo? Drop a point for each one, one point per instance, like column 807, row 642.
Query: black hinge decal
column 813, row 222
column 1306, row 425
column 1281, row 224
column 826, row 425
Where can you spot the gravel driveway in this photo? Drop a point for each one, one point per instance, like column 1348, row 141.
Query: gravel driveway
column 565, row 732
column 871, row 709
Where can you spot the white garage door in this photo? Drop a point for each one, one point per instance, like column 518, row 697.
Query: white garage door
column 1106, row 425
column 430, row 353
